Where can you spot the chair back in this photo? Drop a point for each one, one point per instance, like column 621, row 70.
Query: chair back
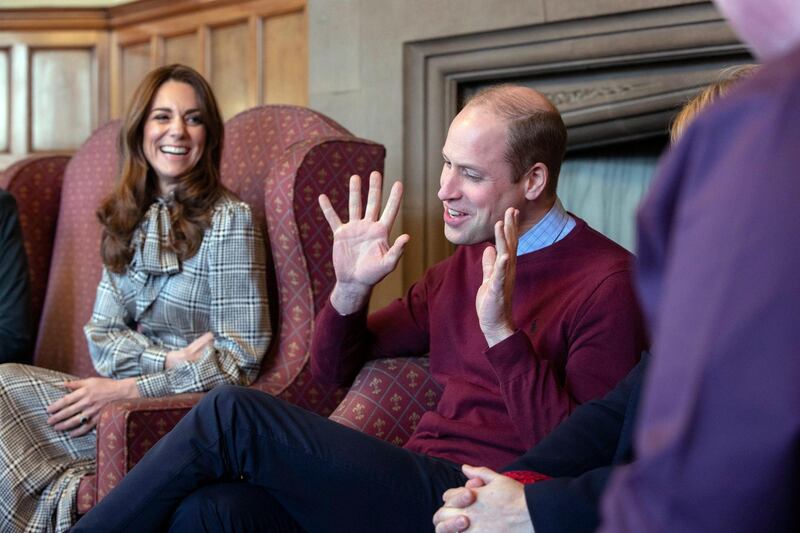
column 287, row 156
column 35, row 183
column 76, row 266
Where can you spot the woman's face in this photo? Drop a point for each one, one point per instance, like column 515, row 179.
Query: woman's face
column 174, row 133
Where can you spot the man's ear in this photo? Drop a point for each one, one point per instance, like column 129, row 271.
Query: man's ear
column 535, row 180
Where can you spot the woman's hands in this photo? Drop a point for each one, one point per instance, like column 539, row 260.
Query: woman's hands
column 79, row 410
column 190, row 353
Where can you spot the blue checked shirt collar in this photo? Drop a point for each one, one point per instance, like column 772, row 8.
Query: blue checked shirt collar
column 553, row 227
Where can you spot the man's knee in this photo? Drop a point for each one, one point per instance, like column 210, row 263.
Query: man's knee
column 231, row 401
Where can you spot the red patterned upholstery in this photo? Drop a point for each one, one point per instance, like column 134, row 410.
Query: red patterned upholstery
column 35, row 183
column 388, row 397
column 76, row 268
column 278, row 159
column 129, row 428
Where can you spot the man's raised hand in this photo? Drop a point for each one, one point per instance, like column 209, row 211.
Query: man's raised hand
column 362, row 254
column 494, row 298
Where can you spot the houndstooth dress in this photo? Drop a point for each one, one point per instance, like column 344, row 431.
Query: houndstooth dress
column 158, row 305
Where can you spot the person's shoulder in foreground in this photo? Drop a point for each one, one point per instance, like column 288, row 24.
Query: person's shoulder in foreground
column 15, row 327
column 717, row 443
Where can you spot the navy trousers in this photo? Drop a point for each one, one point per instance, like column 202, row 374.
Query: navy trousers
column 313, row 473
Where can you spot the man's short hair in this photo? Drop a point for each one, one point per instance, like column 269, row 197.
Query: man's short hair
column 536, row 132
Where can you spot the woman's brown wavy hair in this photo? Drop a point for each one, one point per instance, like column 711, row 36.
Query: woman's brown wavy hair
column 195, row 193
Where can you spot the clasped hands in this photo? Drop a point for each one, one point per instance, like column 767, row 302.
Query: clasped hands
column 79, row 410
column 488, row 501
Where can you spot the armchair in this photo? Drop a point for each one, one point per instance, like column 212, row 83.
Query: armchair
column 276, row 158
column 35, row 183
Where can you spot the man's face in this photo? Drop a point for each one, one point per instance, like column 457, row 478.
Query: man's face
column 476, row 183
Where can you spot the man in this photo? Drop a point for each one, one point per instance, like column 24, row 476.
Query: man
column 517, row 342
column 15, row 327
column 581, row 453
column 717, row 445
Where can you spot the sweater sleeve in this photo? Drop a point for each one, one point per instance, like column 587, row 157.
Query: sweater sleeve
column 603, row 346
column 342, row 344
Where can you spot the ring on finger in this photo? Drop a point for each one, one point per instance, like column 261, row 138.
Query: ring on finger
column 83, row 418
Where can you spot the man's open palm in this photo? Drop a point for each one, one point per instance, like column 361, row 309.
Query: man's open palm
column 362, row 254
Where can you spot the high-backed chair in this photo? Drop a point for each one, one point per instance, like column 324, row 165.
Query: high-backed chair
column 276, row 158
column 35, row 183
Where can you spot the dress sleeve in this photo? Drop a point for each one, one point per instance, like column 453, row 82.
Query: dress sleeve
column 239, row 315
column 604, row 345
column 117, row 348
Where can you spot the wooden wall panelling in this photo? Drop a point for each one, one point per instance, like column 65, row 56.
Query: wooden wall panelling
column 5, row 98
column 228, row 42
column 57, row 90
column 135, row 63
column 58, row 77
column 229, row 70
column 184, row 49
column 251, row 51
column 285, row 46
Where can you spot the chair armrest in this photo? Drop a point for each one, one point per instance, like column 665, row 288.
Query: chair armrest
column 128, row 428
column 388, row 397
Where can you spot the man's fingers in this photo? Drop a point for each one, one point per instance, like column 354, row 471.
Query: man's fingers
column 500, row 237
column 393, row 254
column 392, row 205
column 474, row 483
column 374, row 196
column 354, row 206
column 481, row 472
column 329, row 212
column 487, row 262
column 499, row 272
column 458, row 498
column 452, row 524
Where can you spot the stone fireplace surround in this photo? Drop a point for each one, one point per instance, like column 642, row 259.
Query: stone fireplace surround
column 615, row 78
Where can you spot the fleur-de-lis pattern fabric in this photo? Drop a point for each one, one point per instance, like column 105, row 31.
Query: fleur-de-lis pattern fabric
column 388, row 397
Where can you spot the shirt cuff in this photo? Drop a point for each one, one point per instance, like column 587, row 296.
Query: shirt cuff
column 153, row 385
column 153, row 359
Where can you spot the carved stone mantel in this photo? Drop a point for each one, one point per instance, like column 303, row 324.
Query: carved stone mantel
column 615, row 78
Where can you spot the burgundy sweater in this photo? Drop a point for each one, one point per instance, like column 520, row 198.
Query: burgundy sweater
column 579, row 333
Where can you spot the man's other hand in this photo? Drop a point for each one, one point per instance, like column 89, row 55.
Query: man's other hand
column 494, row 298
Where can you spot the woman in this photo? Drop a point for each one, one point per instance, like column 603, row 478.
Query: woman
column 181, row 305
